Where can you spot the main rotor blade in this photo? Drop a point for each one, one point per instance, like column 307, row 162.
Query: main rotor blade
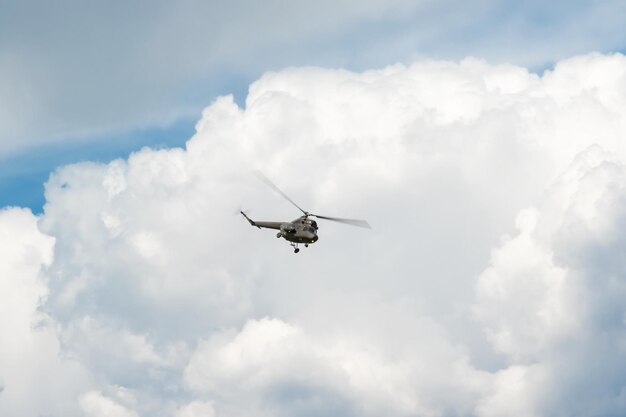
column 273, row 186
column 352, row 222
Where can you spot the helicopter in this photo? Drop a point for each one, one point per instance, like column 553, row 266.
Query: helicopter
column 302, row 230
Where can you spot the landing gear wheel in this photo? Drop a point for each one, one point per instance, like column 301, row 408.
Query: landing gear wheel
column 296, row 250
column 306, row 245
column 279, row 235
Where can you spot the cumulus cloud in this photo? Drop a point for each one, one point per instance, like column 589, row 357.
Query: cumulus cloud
column 95, row 404
column 196, row 409
column 490, row 284
column 274, row 366
column 35, row 376
column 552, row 299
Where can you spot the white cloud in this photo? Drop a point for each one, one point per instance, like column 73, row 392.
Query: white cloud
column 95, row 404
column 35, row 378
column 524, row 269
column 274, row 366
column 552, row 298
column 158, row 288
column 109, row 350
column 515, row 392
column 196, row 409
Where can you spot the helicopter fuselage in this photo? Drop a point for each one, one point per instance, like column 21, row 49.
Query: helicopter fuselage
column 301, row 230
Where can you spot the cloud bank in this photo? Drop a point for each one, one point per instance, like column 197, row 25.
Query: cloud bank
column 491, row 284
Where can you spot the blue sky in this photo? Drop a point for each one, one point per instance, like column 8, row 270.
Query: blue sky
column 98, row 81
column 24, row 173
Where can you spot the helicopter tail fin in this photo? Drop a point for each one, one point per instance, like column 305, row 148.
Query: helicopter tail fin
column 248, row 219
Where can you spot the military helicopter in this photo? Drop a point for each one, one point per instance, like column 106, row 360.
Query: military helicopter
column 301, row 230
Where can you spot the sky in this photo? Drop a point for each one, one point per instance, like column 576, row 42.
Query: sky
column 484, row 143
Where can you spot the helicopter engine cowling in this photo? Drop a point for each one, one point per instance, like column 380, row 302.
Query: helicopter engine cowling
column 287, row 228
